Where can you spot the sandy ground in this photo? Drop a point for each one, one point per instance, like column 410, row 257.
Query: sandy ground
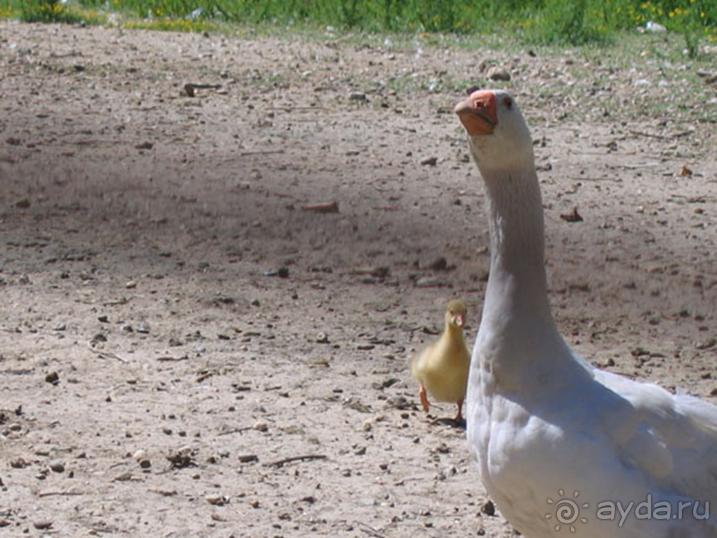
column 174, row 323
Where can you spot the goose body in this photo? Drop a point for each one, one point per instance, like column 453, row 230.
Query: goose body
column 562, row 446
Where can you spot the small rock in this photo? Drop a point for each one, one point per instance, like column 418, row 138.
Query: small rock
column 144, row 145
column 429, row 161
column 24, row 203
column 248, row 458
column 498, row 73
column 18, row 463
column 56, row 466
column 42, row 524
column 181, row 458
column 96, row 339
column 261, row 426
column 439, row 264
column 399, row 402
column 430, row 282
column 573, row 216
column 189, row 90
column 322, row 338
column 655, row 27
column 488, row 508
column 281, row 272
column 52, row 378
column 140, row 456
column 707, row 344
column 358, row 97
column 217, row 500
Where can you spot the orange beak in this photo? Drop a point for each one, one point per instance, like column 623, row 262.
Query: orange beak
column 478, row 113
column 459, row 320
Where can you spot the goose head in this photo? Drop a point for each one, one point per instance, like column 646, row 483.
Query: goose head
column 498, row 135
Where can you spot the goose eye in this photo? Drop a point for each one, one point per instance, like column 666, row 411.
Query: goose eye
column 508, row 102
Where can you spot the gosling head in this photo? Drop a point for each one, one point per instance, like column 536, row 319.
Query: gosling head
column 455, row 314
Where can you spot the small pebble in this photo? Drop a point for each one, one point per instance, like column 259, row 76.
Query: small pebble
column 498, row 73
column 217, row 500
column 261, row 426
column 488, row 508
column 19, row 463
column 52, row 378
column 42, row 524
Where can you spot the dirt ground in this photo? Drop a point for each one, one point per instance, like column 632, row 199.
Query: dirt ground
column 175, row 323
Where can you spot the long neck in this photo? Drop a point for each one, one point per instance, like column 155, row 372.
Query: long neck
column 518, row 340
column 517, row 282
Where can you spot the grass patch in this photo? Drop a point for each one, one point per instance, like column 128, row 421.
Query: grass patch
column 50, row 11
column 552, row 22
column 567, row 22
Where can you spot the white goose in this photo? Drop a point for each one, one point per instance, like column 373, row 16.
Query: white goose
column 561, row 446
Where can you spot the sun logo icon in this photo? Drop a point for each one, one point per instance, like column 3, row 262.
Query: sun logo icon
column 566, row 511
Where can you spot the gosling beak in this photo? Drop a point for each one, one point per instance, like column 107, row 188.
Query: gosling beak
column 478, row 113
column 459, row 320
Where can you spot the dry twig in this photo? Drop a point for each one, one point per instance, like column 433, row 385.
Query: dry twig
column 306, row 457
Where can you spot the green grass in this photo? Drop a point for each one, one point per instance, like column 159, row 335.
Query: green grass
column 51, row 11
column 561, row 22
